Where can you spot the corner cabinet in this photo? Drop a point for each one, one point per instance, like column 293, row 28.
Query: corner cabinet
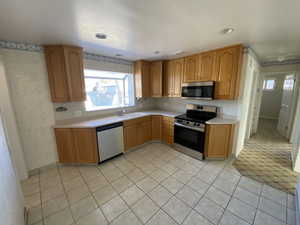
column 65, row 73
column 218, row 140
column 227, row 72
column 76, row 145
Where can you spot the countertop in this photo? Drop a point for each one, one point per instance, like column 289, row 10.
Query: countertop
column 128, row 116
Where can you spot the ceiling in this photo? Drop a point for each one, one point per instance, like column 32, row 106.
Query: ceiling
column 138, row 28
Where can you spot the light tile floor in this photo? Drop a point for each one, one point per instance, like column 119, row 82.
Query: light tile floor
column 154, row 185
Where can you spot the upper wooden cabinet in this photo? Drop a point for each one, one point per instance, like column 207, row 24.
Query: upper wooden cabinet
column 156, row 78
column 65, row 73
column 191, row 68
column 173, row 77
column 227, row 72
column 142, row 79
column 206, row 62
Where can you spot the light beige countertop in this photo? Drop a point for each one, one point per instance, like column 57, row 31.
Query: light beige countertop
column 221, row 120
column 98, row 122
column 113, row 119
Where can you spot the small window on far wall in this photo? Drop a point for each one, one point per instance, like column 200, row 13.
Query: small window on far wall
column 269, row 85
column 106, row 90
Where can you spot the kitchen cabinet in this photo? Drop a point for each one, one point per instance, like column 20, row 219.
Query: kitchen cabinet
column 76, row 145
column 65, row 73
column 227, row 72
column 156, row 127
column 137, row 132
column 156, row 78
column 168, row 130
column 142, row 79
column 218, row 140
column 191, row 68
column 206, row 66
column 173, row 77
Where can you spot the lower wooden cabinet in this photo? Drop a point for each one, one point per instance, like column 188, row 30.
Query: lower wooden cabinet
column 218, row 140
column 142, row 130
column 156, row 127
column 76, row 145
column 168, row 130
column 137, row 132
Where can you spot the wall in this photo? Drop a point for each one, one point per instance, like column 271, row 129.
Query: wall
column 35, row 113
column 271, row 100
column 11, row 199
column 27, row 77
column 226, row 108
column 250, row 65
column 9, row 119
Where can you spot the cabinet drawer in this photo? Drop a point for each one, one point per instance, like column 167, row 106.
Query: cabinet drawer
column 137, row 121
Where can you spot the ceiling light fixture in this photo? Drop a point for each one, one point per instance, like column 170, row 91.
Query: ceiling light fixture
column 119, row 55
column 227, row 30
column 156, row 52
column 101, row 36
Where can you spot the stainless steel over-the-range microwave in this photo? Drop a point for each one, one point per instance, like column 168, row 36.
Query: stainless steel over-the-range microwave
column 198, row 90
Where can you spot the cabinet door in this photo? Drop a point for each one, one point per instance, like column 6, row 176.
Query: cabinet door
column 142, row 79
column 206, row 66
column 228, row 62
column 74, row 67
column 191, row 68
column 144, row 133
column 130, row 137
column 65, row 145
column 57, row 74
column 156, row 127
column 168, row 78
column 178, row 68
column 85, row 145
column 218, row 141
column 156, row 78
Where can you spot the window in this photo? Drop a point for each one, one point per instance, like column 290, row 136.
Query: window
column 269, row 85
column 107, row 90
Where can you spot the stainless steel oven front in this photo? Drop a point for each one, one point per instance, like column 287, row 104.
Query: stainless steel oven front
column 190, row 137
column 198, row 90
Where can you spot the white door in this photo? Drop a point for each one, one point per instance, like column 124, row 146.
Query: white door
column 285, row 111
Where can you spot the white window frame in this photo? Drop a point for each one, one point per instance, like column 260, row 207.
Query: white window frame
column 105, row 108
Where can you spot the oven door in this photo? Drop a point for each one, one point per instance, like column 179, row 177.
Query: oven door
column 199, row 90
column 192, row 138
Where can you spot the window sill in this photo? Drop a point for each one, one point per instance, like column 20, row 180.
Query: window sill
column 108, row 108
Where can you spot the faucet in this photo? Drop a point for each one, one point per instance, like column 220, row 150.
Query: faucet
column 121, row 112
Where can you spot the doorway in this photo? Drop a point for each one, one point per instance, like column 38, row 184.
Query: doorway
column 267, row 152
column 273, row 108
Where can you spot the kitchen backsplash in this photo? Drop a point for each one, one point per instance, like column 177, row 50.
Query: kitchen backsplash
column 76, row 110
column 226, row 108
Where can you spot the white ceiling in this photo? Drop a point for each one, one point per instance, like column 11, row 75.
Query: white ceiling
column 137, row 28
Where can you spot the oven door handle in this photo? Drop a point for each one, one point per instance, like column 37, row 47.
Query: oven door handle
column 192, row 128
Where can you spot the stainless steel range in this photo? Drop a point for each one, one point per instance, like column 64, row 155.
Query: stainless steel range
column 189, row 129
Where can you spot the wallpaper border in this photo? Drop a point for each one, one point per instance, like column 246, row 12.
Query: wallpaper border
column 38, row 48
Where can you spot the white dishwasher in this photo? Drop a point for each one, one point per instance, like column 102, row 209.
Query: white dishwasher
column 110, row 140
